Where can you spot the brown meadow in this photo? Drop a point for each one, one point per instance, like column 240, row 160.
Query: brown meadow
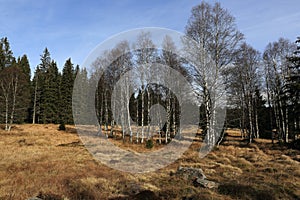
column 39, row 160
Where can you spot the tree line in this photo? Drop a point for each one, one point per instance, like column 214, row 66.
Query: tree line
column 44, row 98
column 262, row 88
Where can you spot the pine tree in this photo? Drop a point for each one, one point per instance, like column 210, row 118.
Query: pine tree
column 51, row 94
column 67, row 82
column 6, row 54
column 46, row 91
column 24, row 114
column 23, row 64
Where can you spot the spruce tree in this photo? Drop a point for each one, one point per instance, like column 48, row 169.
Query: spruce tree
column 24, row 67
column 46, row 91
column 6, row 54
column 51, row 94
column 68, row 75
column 23, row 64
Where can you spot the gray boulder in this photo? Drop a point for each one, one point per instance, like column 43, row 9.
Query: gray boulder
column 195, row 176
column 190, row 173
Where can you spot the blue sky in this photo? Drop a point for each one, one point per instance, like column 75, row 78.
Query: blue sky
column 72, row 28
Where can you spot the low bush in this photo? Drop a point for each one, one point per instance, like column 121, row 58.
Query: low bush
column 62, row 127
column 149, row 144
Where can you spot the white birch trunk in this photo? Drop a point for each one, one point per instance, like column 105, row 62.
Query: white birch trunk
column 256, row 123
column 6, row 113
column 148, row 110
column 174, row 116
column 168, row 116
column 14, row 95
column 106, row 113
column 143, row 109
column 6, row 96
column 287, row 126
column 34, row 101
column 127, row 95
column 137, row 121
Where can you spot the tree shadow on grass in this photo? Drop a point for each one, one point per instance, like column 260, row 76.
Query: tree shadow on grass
column 245, row 192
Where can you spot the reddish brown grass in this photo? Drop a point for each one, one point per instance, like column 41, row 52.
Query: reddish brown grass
column 40, row 160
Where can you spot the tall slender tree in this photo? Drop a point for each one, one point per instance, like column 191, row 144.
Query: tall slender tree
column 276, row 70
column 293, row 89
column 51, row 95
column 217, row 38
column 170, row 59
column 243, row 83
column 66, row 89
column 11, row 86
column 146, row 54
column 46, row 90
column 24, row 105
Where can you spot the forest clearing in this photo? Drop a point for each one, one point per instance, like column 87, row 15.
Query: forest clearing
column 39, row 160
column 180, row 100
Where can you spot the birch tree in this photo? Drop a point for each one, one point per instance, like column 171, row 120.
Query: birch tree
column 11, row 84
column 214, row 30
column 244, row 81
column 276, row 70
column 36, row 95
column 172, row 60
column 103, row 81
column 122, row 61
column 293, row 89
column 146, row 54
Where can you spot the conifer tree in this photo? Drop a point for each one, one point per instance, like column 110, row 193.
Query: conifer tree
column 46, row 90
column 51, row 94
column 24, row 67
column 68, row 74
column 6, row 54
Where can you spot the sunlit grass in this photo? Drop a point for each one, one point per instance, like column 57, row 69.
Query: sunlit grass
column 39, row 159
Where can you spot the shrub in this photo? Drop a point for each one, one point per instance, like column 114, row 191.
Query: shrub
column 149, row 144
column 62, row 127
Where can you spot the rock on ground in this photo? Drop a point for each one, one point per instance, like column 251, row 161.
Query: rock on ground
column 195, row 176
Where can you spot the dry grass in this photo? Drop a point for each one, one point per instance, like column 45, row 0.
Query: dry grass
column 40, row 160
